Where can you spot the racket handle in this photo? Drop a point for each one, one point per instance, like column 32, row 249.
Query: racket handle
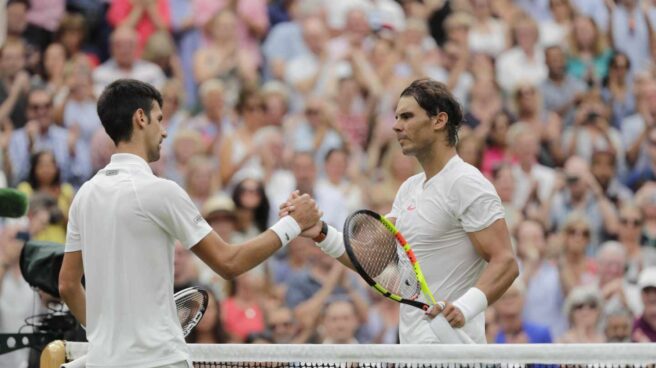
column 447, row 334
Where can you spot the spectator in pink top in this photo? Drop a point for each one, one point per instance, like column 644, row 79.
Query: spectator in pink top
column 144, row 16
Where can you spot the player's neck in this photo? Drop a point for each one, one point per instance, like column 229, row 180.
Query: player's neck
column 129, row 147
column 434, row 161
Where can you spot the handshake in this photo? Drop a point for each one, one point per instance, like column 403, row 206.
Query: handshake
column 305, row 211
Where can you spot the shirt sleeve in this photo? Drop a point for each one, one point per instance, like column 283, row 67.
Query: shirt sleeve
column 73, row 238
column 172, row 209
column 477, row 204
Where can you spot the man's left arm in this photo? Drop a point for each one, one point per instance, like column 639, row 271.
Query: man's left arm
column 70, row 285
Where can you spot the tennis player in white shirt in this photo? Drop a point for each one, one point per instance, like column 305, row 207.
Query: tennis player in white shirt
column 121, row 231
column 450, row 214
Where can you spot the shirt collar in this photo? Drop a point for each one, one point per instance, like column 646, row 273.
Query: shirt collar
column 131, row 160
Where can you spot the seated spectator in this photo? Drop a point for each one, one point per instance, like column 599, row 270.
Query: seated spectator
column 504, row 182
column 200, row 179
column 241, row 312
column 603, row 166
column 185, row 145
column 543, row 295
column 488, row 34
column 124, row 63
column 616, row 291
column 647, row 171
column 583, row 308
column 285, row 329
column 617, row 325
column 252, row 209
column 644, row 328
column 220, row 213
column 160, row 50
column 41, row 133
column 617, row 88
column 45, row 177
column 575, row 268
column 646, row 200
column 560, row 91
column 215, row 120
column 512, row 328
column 340, row 322
column 337, row 177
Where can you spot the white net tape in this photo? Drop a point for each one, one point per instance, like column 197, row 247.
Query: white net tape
column 591, row 355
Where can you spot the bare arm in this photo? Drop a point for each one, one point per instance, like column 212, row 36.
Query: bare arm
column 493, row 244
column 70, row 285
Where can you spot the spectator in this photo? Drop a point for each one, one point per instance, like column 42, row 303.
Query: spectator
column 15, row 83
column 487, row 34
column 630, row 31
column 340, row 322
column 16, row 17
column 40, row 133
column 504, row 183
column 200, row 179
column 185, row 145
column 330, row 200
column 252, row 209
column 647, row 172
column 485, row 103
column 512, row 328
column 618, row 88
column 544, row 297
column 560, row 91
column 338, row 178
column 617, row 326
column 145, row 17
column 160, row 50
column 638, row 256
column 210, row 328
column 644, row 328
column 525, row 61
column 224, row 58
column 284, row 327
column 382, row 325
column 635, row 127
column 646, row 199
column 588, row 52
column 52, row 76
column 583, row 308
column 604, row 169
column 45, row 177
column 43, row 17
column 214, row 121
column 496, row 149
column 555, row 31
column 238, row 157
column 241, row 312
column 276, row 99
column 124, row 63
column 615, row 289
column 574, row 267
column 72, row 34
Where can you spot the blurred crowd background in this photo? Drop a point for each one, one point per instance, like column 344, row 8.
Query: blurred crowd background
column 265, row 97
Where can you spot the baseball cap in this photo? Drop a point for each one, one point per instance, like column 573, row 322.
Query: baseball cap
column 647, row 278
column 218, row 203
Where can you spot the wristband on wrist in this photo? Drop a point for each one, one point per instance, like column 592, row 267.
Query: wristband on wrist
column 333, row 244
column 287, row 229
column 471, row 303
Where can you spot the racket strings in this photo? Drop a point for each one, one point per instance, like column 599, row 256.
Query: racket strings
column 379, row 253
column 188, row 306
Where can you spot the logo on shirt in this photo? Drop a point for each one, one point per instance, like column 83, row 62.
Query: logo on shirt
column 111, row 172
column 412, row 206
column 198, row 219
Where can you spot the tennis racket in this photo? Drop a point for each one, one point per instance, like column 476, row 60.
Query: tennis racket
column 190, row 303
column 385, row 260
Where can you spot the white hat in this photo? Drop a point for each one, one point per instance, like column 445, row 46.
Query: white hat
column 647, row 278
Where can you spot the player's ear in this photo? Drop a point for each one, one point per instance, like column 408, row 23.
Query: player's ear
column 439, row 121
column 139, row 118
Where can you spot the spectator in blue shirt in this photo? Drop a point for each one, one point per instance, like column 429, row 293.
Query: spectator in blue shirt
column 513, row 328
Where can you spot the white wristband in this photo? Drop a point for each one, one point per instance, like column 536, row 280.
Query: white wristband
column 471, row 303
column 333, row 245
column 287, row 229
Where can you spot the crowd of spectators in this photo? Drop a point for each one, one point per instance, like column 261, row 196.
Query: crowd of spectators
column 265, row 97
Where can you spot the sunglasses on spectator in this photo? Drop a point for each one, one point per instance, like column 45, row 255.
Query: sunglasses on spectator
column 572, row 179
column 630, row 221
column 44, row 106
column 583, row 232
column 589, row 305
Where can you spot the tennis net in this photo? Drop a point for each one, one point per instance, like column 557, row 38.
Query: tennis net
column 398, row 356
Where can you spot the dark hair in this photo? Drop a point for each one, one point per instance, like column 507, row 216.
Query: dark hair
column 261, row 213
column 24, row 2
column 333, row 151
column 32, row 179
column 434, row 97
column 244, row 96
column 118, row 103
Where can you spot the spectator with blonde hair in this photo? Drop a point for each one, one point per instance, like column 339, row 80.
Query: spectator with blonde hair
column 583, row 308
column 588, row 51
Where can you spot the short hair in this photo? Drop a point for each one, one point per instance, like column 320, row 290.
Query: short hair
column 333, row 151
column 118, row 103
column 210, row 85
column 434, row 97
column 24, row 2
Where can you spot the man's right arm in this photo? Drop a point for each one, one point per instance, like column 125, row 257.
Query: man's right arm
column 230, row 261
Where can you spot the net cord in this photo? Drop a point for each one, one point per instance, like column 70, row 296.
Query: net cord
column 607, row 354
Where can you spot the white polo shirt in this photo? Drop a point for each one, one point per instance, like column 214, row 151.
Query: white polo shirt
column 125, row 221
column 435, row 216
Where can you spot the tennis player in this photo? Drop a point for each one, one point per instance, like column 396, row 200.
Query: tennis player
column 450, row 214
column 121, row 231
